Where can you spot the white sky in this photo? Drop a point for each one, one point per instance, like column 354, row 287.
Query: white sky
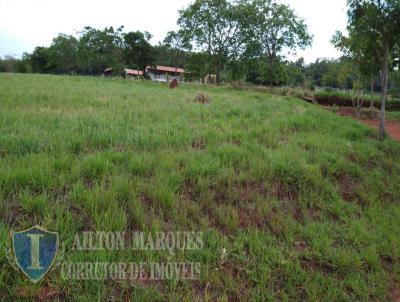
column 25, row 24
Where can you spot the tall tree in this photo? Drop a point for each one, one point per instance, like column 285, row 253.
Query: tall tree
column 178, row 42
column 138, row 51
column 195, row 65
column 63, row 54
column 379, row 19
column 218, row 28
column 359, row 48
column 276, row 28
column 99, row 49
column 39, row 59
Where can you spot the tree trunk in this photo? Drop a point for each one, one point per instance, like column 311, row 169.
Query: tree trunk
column 372, row 93
column 360, row 101
column 357, row 101
column 270, row 76
column 218, row 79
column 176, row 64
column 384, row 89
column 209, row 59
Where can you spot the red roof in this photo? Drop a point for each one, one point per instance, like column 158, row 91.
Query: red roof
column 167, row 69
column 134, row 72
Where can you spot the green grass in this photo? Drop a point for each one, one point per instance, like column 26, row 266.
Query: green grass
column 295, row 202
column 394, row 115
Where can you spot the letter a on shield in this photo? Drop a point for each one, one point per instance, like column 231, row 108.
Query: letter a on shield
column 35, row 251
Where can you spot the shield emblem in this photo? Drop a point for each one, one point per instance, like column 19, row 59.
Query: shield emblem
column 35, row 251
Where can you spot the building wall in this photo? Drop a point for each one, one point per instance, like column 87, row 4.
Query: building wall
column 163, row 76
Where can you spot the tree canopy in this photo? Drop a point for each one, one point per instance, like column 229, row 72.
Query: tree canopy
column 217, row 27
column 374, row 37
column 275, row 27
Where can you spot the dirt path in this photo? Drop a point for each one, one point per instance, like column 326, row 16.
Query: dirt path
column 392, row 127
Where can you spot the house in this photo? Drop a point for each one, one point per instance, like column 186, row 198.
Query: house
column 133, row 73
column 165, row 73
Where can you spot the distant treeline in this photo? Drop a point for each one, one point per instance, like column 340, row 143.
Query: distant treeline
column 235, row 40
column 321, row 73
column 94, row 50
column 241, row 41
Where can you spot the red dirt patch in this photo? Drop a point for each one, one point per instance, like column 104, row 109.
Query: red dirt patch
column 394, row 293
column 392, row 127
column 348, row 189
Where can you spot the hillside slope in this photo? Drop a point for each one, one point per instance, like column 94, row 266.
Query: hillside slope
column 295, row 203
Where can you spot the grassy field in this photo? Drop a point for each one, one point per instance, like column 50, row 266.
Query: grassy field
column 295, row 202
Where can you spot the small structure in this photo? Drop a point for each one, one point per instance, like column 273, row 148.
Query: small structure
column 165, row 73
column 108, row 72
column 133, row 73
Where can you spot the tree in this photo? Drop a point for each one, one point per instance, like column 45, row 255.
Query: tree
column 100, row 49
column 39, row 59
column 276, row 28
column 8, row 64
column 358, row 47
column 137, row 49
column 217, row 27
column 379, row 21
column 357, row 97
column 178, row 42
column 316, row 71
column 296, row 73
column 63, row 54
column 195, row 65
column 330, row 76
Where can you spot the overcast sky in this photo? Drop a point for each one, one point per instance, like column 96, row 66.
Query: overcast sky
column 25, row 24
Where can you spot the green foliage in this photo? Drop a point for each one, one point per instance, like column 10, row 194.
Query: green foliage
column 63, row 54
column 374, row 36
column 395, row 84
column 100, row 49
column 218, row 28
column 274, row 27
column 11, row 64
column 39, row 60
column 138, row 51
column 196, row 65
column 177, row 42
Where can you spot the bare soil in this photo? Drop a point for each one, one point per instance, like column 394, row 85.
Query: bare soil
column 392, row 127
